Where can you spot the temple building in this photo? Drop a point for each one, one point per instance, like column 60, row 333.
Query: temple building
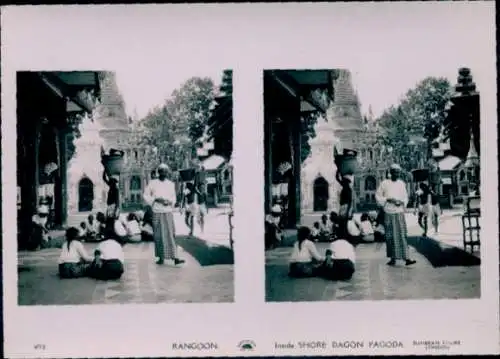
column 305, row 185
column 111, row 128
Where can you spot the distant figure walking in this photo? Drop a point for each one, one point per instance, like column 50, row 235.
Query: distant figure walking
column 393, row 198
column 190, row 205
column 428, row 208
column 160, row 194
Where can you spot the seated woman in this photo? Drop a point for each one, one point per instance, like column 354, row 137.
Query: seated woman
column 133, row 228
column 340, row 261
column 119, row 229
column 366, row 228
column 73, row 260
column 305, row 259
column 353, row 234
column 273, row 234
column 109, row 256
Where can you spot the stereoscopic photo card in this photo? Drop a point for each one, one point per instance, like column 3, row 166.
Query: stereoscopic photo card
column 249, row 180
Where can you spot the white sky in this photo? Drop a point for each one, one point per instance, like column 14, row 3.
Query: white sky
column 149, row 86
column 381, row 90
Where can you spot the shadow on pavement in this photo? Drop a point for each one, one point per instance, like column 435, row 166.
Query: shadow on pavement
column 440, row 255
column 205, row 254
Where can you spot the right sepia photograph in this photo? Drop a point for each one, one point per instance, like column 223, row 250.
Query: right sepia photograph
column 371, row 200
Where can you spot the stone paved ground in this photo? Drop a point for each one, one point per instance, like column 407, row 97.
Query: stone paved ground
column 373, row 280
column 207, row 276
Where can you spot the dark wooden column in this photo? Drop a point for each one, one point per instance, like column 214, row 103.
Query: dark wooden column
column 268, row 155
column 296, row 142
column 63, row 175
column 294, row 128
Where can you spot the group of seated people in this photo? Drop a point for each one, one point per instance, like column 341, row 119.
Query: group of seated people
column 107, row 262
column 134, row 227
column 338, row 262
column 369, row 228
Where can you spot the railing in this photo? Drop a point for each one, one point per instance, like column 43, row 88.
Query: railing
column 471, row 222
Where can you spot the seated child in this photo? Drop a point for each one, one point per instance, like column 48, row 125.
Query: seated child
column 82, row 231
column 366, row 228
column 325, row 229
column 339, row 263
column 73, row 260
column 315, row 232
column 92, row 228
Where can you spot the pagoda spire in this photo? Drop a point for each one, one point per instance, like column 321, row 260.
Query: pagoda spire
column 370, row 113
column 112, row 106
column 344, row 90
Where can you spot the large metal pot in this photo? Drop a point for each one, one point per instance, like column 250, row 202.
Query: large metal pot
column 347, row 162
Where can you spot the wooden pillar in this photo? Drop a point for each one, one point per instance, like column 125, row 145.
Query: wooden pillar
column 63, row 175
column 294, row 195
column 296, row 135
column 268, row 156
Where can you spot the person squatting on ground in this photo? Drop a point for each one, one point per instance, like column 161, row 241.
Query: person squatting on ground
column 305, row 260
column 74, row 261
column 109, row 257
column 392, row 196
column 160, row 194
column 273, row 234
column 340, row 259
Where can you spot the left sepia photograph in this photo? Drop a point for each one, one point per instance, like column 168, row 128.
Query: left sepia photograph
column 124, row 188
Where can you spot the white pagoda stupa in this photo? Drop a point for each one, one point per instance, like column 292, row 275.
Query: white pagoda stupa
column 85, row 169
